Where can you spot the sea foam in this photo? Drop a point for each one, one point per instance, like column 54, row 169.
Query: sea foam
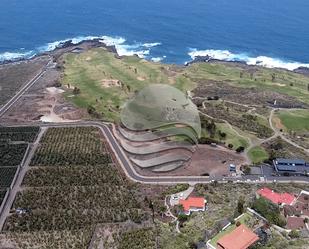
column 264, row 61
column 7, row 56
column 123, row 48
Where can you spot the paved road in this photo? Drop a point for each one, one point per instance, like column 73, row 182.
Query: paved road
column 17, row 96
column 134, row 176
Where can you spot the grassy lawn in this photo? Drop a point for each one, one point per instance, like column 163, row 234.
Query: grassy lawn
column 231, row 136
column 92, row 70
column 295, row 120
column 257, row 154
column 285, row 82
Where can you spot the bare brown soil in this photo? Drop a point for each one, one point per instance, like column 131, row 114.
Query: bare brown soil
column 206, row 159
column 14, row 75
column 43, row 100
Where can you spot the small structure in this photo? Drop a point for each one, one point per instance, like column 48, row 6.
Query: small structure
column 232, row 167
column 277, row 198
column 291, row 166
column 295, row 223
column 193, row 204
column 240, row 238
column 297, row 212
column 302, row 204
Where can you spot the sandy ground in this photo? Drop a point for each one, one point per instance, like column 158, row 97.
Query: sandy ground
column 110, row 83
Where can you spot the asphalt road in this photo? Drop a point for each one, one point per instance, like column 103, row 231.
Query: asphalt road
column 125, row 162
column 134, row 176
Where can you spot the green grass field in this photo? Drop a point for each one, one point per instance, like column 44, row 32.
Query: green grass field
column 257, row 154
column 91, row 70
column 285, row 82
column 232, row 137
column 295, row 120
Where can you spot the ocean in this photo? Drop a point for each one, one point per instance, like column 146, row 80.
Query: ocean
column 271, row 33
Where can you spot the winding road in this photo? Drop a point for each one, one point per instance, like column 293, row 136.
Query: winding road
column 125, row 163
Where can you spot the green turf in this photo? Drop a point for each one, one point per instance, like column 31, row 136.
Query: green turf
column 257, row 154
column 231, row 136
column 286, row 82
column 89, row 70
column 295, row 120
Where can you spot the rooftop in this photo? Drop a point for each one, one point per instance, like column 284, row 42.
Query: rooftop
column 290, row 161
column 277, row 198
column 295, row 223
column 240, row 238
column 302, row 203
column 298, row 165
column 192, row 202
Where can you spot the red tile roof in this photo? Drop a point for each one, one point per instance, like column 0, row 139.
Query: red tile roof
column 197, row 202
column 240, row 238
column 276, row 198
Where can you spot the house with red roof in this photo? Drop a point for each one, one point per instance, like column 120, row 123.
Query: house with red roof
column 193, row 204
column 240, row 238
column 274, row 197
column 297, row 212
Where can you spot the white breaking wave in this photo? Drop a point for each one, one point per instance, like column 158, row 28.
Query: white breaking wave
column 158, row 59
column 150, row 45
column 123, row 49
column 6, row 56
column 264, row 61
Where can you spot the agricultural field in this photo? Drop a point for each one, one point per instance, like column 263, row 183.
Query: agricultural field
column 124, row 235
column 74, row 190
column 12, row 154
column 6, row 176
column 71, row 146
column 26, row 134
column 14, row 142
column 13, row 145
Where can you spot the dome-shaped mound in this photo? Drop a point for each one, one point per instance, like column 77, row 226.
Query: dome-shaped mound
column 160, row 105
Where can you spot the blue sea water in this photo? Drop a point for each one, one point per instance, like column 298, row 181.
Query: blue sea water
column 267, row 32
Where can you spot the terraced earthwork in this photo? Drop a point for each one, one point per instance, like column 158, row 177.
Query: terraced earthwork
column 158, row 122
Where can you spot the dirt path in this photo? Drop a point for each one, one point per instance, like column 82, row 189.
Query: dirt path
column 255, row 142
column 279, row 134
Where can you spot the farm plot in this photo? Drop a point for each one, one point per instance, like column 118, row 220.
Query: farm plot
column 26, row 134
column 12, row 154
column 71, row 146
column 75, row 189
column 6, row 176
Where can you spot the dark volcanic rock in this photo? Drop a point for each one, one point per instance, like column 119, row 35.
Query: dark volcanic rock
column 302, row 70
